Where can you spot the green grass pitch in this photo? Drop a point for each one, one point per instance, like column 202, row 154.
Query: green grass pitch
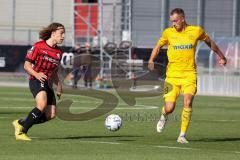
column 214, row 132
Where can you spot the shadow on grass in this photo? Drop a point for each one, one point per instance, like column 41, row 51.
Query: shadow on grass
column 126, row 140
column 217, row 140
column 95, row 137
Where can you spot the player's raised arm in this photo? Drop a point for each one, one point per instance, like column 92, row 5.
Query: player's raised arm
column 215, row 48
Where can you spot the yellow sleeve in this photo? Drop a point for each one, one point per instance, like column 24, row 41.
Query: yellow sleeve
column 203, row 35
column 163, row 40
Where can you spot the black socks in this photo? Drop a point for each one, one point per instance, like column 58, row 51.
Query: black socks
column 42, row 119
column 32, row 118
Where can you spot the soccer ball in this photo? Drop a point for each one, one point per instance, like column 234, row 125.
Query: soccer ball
column 113, row 122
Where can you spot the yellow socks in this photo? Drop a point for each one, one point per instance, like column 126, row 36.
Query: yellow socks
column 163, row 111
column 163, row 115
column 186, row 117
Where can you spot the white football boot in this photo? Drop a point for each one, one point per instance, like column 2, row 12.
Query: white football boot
column 161, row 123
column 182, row 139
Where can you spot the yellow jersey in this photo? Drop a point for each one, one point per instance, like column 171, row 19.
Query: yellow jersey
column 181, row 49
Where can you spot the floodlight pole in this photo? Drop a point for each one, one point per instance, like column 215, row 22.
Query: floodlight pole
column 13, row 20
column 73, row 22
column 200, row 12
column 114, row 21
column 100, row 34
column 164, row 14
column 52, row 11
column 89, row 23
column 236, row 16
column 130, row 28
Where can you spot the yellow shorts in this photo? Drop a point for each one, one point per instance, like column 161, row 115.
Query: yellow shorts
column 186, row 85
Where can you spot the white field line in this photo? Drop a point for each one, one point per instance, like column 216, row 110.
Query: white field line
column 154, row 146
column 199, row 149
column 102, row 142
column 4, row 117
column 171, row 147
column 218, row 120
column 29, row 94
column 136, row 107
column 79, row 108
column 165, row 147
column 75, row 108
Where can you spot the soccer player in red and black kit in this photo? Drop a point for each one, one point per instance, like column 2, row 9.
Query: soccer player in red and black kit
column 41, row 63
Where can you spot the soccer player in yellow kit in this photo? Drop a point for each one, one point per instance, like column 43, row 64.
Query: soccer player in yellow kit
column 182, row 40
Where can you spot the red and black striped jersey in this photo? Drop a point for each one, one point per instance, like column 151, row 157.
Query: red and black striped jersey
column 44, row 58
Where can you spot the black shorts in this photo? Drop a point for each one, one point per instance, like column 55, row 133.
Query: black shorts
column 36, row 86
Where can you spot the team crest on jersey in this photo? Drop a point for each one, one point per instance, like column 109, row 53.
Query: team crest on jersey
column 174, row 37
column 191, row 37
column 58, row 55
column 30, row 51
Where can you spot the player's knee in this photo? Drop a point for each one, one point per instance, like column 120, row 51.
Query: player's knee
column 169, row 107
column 188, row 99
column 187, row 102
column 41, row 105
column 169, row 110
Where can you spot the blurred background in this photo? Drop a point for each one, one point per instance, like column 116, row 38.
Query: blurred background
column 137, row 22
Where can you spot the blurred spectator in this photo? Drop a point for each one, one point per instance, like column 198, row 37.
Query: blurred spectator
column 87, row 61
column 82, row 64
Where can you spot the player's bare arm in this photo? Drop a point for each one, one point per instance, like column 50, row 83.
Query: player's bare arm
column 40, row 76
column 154, row 55
column 215, row 48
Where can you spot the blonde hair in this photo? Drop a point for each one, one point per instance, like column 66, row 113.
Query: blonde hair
column 179, row 11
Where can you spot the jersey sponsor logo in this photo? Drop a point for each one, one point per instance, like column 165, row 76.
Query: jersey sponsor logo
column 30, row 51
column 58, row 55
column 50, row 59
column 183, row 47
